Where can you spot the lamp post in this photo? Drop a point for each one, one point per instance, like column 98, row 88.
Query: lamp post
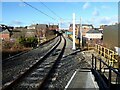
column 74, row 32
column 81, row 32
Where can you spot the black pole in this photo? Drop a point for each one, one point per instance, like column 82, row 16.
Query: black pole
column 95, row 63
column 92, row 61
column 100, row 65
column 109, row 81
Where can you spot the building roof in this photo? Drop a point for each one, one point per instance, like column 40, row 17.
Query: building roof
column 39, row 26
column 82, row 25
column 53, row 26
column 4, row 28
column 87, row 25
column 42, row 26
column 93, row 31
column 75, row 25
column 5, row 32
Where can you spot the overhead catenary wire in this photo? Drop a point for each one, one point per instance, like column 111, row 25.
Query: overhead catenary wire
column 43, row 12
column 51, row 10
column 37, row 9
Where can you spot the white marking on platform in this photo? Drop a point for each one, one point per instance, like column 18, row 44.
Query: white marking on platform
column 71, row 79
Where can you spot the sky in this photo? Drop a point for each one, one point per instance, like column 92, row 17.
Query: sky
column 96, row 13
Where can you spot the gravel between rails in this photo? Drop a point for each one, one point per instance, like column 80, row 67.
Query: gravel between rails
column 65, row 70
column 71, row 61
column 17, row 65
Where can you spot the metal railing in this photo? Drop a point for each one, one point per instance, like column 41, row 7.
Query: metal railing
column 108, row 75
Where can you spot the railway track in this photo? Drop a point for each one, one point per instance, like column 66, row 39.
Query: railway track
column 37, row 76
column 14, row 66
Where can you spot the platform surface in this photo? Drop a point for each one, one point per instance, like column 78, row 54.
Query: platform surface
column 82, row 79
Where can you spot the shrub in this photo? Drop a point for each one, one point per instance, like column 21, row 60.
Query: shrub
column 28, row 42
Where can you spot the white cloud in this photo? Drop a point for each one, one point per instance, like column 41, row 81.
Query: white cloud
column 108, row 20
column 97, row 21
column 21, row 4
column 17, row 22
column 105, row 7
column 105, row 20
column 89, row 21
column 86, row 5
column 95, row 12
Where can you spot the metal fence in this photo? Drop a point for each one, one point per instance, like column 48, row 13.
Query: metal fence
column 107, row 76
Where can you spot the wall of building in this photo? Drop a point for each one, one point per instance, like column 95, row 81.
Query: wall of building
column 85, row 29
column 5, row 36
column 111, row 37
column 93, row 35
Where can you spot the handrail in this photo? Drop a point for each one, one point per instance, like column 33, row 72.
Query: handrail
column 110, row 68
column 106, row 64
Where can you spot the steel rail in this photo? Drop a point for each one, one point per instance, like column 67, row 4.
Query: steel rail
column 48, row 76
column 23, row 75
